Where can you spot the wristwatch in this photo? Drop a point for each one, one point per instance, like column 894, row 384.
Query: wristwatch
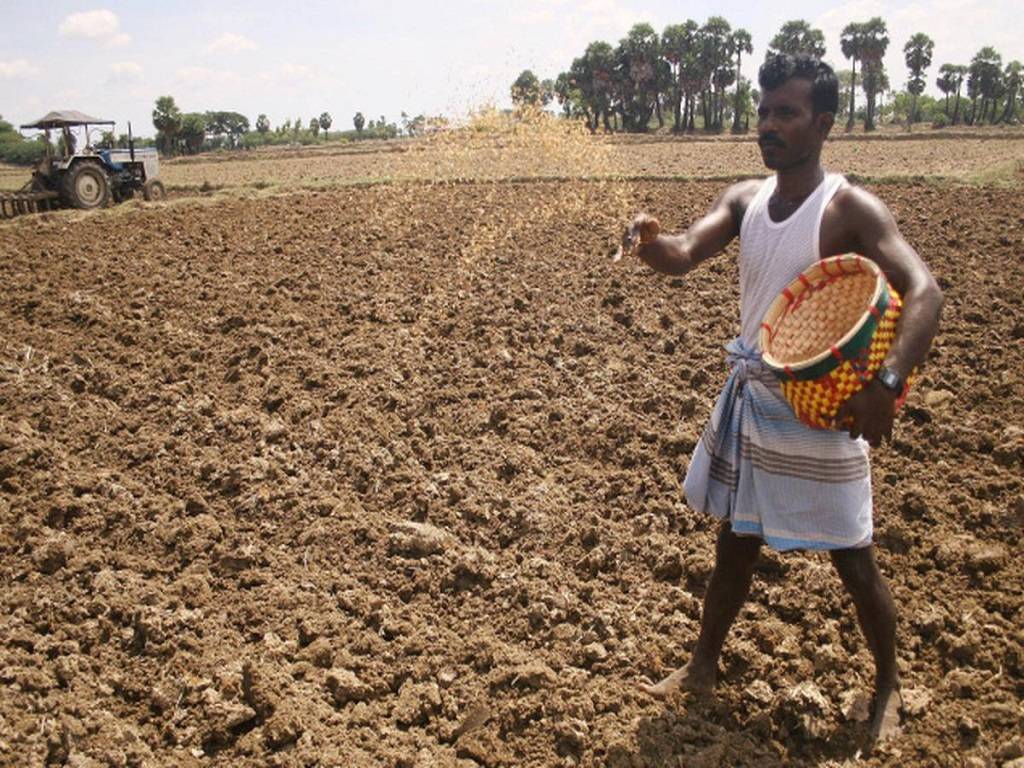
column 889, row 379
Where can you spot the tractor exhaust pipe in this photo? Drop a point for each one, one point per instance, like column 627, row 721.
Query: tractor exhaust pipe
column 131, row 142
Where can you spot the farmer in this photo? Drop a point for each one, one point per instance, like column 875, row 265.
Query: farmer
column 764, row 474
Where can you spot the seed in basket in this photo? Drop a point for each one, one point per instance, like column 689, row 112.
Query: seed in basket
column 827, row 334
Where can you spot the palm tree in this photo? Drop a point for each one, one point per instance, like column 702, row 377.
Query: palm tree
column 918, row 55
column 677, row 47
column 798, row 36
column 692, row 75
column 716, row 55
column 741, row 44
column 568, row 94
column 851, row 41
column 874, row 44
column 640, row 56
column 946, row 83
column 593, row 74
column 956, row 73
column 984, row 80
column 1012, row 78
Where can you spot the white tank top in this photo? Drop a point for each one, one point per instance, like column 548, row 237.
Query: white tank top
column 772, row 254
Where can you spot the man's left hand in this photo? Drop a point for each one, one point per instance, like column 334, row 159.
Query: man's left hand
column 869, row 414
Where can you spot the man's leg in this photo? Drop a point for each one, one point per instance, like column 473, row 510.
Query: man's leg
column 730, row 582
column 876, row 614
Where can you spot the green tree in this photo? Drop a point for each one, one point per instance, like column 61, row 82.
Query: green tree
column 741, row 44
column 678, row 48
column 547, row 91
column 851, row 42
column 167, row 121
column 797, row 36
column 950, row 80
column 314, row 127
column 192, row 131
column 16, row 149
column 638, row 59
column 1012, row 78
column 694, row 77
column 325, row 123
column 844, row 76
column 593, row 74
column 526, row 89
column 917, row 53
column 262, row 124
column 568, row 95
column 229, row 126
column 875, row 41
column 359, row 121
column 715, row 63
column 984, row 79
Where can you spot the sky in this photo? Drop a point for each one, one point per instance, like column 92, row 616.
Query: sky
column 301, row 58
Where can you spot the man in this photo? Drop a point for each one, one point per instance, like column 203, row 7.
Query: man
column 764, row 474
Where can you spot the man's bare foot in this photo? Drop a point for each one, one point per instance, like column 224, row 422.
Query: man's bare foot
column 885, row 724
column 689, row 678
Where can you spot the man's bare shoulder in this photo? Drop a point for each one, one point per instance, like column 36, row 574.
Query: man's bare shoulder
column 855, row 203
column 742, row 192
column 857, row 220
column 737, row 198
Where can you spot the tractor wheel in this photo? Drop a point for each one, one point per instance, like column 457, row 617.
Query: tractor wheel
column 153, row 190
column 86, row 186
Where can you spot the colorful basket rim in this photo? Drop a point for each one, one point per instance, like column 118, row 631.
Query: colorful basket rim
column 857, row 338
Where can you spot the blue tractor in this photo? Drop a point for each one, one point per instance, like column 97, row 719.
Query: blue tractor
column 84, row 177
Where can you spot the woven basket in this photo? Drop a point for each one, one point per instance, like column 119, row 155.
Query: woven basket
column 827, row 334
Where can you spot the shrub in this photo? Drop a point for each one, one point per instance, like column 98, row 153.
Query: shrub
column 20, row 152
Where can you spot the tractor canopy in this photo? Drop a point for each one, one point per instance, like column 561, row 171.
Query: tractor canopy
column 65, row 119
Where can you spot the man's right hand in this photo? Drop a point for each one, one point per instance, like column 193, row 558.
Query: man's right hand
column 644, row 229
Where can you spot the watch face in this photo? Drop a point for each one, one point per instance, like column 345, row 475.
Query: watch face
column 889, row 379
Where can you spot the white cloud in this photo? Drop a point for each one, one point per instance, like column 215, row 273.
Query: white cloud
column 125, row 71
column 93, row 25
column 119, row 39
column 229, row 42
column 296, row 72
column 17, row 69
column 205, row 76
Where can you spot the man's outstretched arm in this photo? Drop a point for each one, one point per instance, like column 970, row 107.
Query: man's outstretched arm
column 708, row 236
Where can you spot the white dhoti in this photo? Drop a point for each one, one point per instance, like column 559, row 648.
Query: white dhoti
column 772, row 476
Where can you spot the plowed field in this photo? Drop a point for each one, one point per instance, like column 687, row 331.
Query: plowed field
column 390, row 476
column 985, row 158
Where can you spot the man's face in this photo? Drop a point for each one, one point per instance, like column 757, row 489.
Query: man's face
column 787, row 131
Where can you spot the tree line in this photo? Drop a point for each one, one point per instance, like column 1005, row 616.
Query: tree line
column 692, row 72
column 180, row 132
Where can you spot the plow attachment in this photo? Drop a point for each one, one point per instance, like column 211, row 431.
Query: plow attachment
column 16, row 203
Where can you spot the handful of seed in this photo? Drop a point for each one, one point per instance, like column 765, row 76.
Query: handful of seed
column 644, row 229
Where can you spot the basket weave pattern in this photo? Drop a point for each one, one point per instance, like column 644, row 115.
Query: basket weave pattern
column 827, row 335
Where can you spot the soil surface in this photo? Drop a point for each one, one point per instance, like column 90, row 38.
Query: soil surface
column 391, row 476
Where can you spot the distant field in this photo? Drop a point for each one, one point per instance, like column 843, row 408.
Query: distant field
column 979, row 158
column 13, row 177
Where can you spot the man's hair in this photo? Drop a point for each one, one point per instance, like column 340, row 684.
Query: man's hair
column 780, row 67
